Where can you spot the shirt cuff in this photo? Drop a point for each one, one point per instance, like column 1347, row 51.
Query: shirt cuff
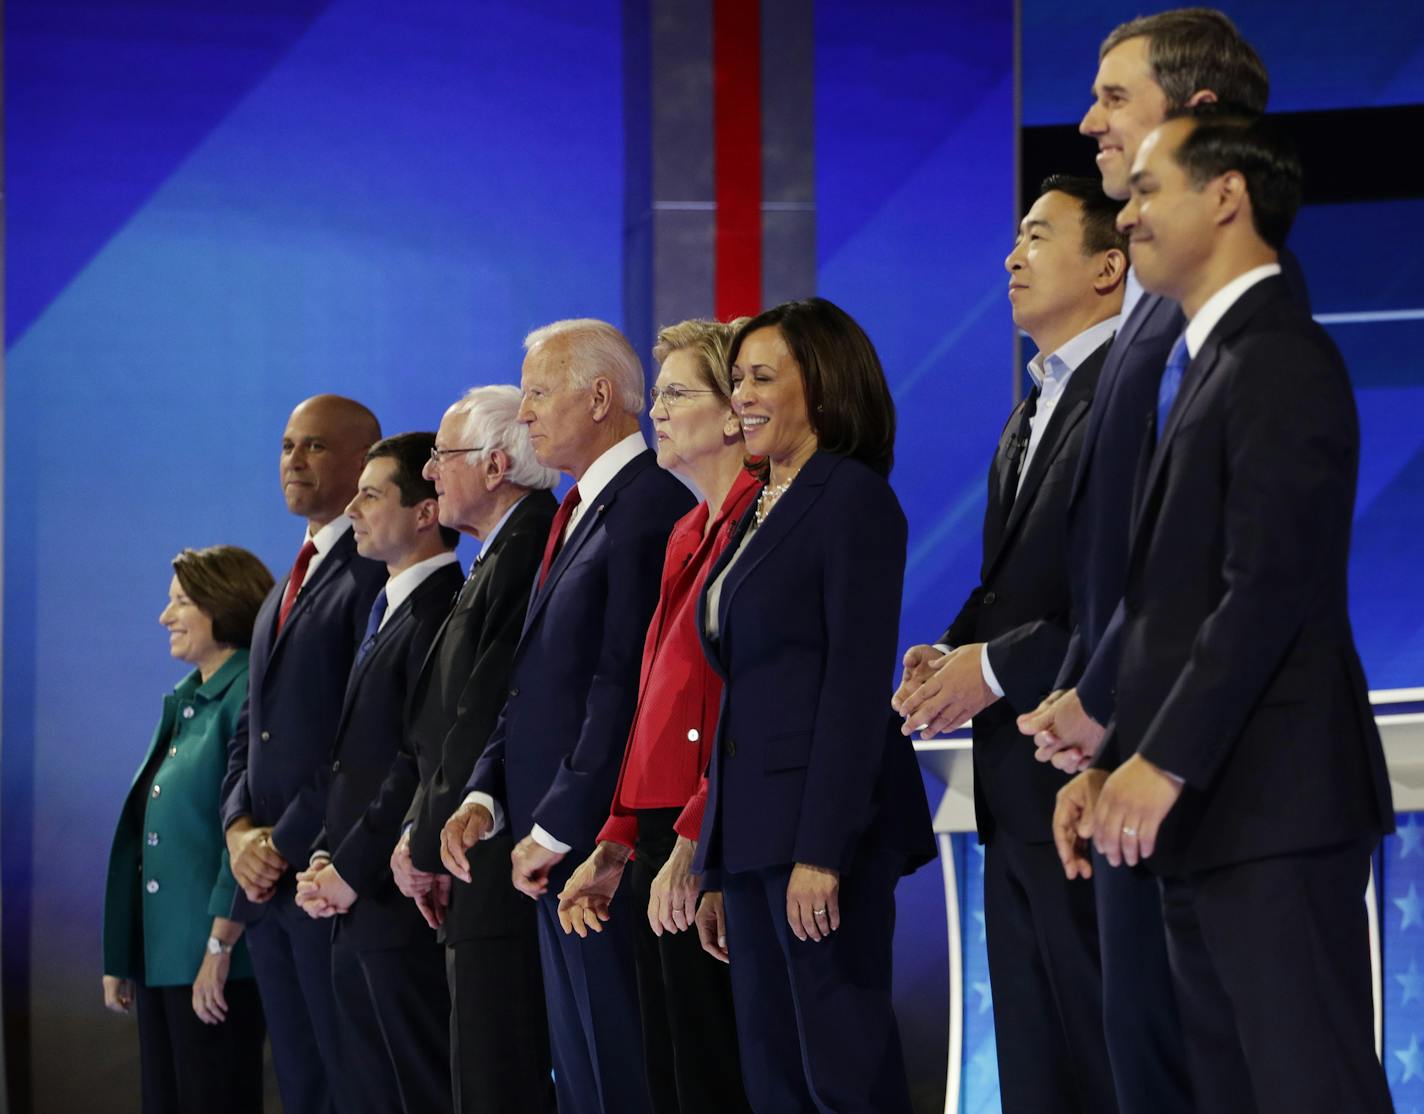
column 988, row 670
column 491, row 806
column 548, row 842
column 943, row 648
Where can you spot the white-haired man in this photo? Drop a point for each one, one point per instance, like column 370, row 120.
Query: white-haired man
column 549, row 770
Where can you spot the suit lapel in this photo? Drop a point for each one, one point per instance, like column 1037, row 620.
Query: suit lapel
column 335, row 560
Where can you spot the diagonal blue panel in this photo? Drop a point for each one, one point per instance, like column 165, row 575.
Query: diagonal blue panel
column 96, row 121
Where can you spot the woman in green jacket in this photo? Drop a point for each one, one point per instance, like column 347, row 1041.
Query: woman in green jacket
column 169, row 948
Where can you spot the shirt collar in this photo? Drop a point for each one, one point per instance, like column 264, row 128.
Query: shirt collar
column 329, row 534
column 1131, row 294
column 498, row 526
column 608, row 465
column 1064, row 360
column 400, row 586
column 1215, row 307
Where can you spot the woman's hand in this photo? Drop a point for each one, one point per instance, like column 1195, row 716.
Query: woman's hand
column 712, row 926
column 118, row 994
column 672, row 902
column 208, row 1001
column 584, row 900
column 813, row 901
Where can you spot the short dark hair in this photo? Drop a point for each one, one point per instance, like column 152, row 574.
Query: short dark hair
column 228, row 585
column 411, row 451
column 1260, row 152
column 847, row 397
column 1099, row 211
column 1191, row 49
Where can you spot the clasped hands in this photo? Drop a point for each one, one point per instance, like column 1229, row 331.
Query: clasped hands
column 321, row 891
column 430, row 891
column 939, row 692
column 256, row 863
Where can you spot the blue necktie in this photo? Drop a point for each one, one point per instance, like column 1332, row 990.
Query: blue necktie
column 1172, row 374
column 373, row 624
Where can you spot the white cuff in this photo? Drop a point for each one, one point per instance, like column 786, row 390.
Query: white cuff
column 491, row 806
column 988, row 671
column 943, row 649
column 548, row 842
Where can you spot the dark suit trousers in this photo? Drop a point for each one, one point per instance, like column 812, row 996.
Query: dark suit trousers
column 393, row 1011
column 1042, row 936
column 595, row 1037
column 814, row 1020
column 499, row 1026
column 187, row 1065
column 689, row 1030
column 1144, row 1035
column 291, row 954
column 1272, row 966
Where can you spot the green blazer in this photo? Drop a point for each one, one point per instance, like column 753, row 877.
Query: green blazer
column 168, row 868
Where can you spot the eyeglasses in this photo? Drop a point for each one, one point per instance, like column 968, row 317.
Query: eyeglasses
column 674, row 394
column 439, row 455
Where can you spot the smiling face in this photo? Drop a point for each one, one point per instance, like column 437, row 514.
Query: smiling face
column 384, row 530
column 692, row 422
column 769, row 396
column 322, row 448
column 190, row 630
column 1051, row 278
column 1127, row 104
column 1169, row 223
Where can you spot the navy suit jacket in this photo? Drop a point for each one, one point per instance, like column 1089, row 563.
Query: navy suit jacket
column 371, row 782
column 1239, row 671
column 554, row 755
column 810, row 766
column 296, row 681
column 1022, row 609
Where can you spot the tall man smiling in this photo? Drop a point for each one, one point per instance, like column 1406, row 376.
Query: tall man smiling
column 550, row 768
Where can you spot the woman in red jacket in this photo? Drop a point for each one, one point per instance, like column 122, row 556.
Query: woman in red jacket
column 688, row 1031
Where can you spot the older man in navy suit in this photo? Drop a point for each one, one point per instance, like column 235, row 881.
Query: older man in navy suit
column 550, row 767
column 302, row 648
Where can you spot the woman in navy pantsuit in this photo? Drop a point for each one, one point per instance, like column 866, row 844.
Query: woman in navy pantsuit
column 815, row 806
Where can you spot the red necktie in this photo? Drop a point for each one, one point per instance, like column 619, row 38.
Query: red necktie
column 294, row 582
column 556, row 532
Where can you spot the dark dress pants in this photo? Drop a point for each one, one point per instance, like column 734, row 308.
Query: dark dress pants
column 393, row 1011
column 291, row 954
column 1272, row 966
column 1042, row 937
column 1140, row 1016
column 685, row 995
column 595, row 1035
column 187, row 1065
column 499, row 1026
column 815, row 1023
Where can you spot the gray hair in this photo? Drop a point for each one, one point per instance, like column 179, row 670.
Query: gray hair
column 492, row 422
column 597, row 348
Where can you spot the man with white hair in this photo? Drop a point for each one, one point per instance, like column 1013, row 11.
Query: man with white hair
column 491, row 487
column 550, row 768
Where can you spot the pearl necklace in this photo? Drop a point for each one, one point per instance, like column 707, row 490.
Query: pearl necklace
column 768, row 497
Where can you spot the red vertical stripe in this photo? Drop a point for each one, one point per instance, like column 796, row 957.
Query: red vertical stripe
column 736, row 114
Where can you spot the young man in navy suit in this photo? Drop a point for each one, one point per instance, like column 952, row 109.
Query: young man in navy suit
column 550, row 768
column 387, row 968
column 1066, row 275
column 1247, row 768
column 302, row 648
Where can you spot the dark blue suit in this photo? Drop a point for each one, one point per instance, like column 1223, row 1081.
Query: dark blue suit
column 387, row 967
column 296, row 680
column 554, row 757
column 810, row 767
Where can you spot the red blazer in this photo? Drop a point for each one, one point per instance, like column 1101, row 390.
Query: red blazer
column 670, row 743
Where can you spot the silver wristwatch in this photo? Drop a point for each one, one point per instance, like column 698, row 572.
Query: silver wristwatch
column 217, row 947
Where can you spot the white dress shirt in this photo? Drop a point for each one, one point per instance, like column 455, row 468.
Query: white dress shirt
column 323, row 539
column 1215, row 307
column 400, row 586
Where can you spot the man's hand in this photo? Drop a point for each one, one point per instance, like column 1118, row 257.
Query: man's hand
column 584, row 901
column 118, row 994
column 466, row 827
column 256, row 863
column 672, row 901
column 532, row 862
column 322, row 892
column 1063, row 731
column 434, row 902
column 410, row 881
column 813, row 908
column 953, row 693
column 1135, row 800
column 712, row 926
column 1073, row 822
column 918, row 663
